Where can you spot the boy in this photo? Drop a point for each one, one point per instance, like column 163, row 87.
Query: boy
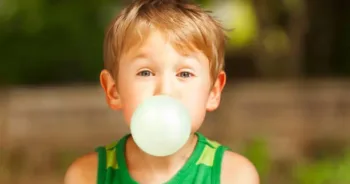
column 167, row 47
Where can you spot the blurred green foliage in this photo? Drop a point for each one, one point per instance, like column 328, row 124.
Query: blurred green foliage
column 51, row 41
column 327, row 170
column 45, row 42
column 324, row 171
column 60, row 42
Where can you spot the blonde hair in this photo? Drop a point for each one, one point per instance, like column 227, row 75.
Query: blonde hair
column 186, row 25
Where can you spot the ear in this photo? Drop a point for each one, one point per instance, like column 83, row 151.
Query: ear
column 110, row 88
column 215, row 93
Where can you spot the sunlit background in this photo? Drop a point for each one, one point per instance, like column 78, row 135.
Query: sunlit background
column 286, row 105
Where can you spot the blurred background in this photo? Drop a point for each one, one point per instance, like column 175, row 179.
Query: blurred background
column 286, row 105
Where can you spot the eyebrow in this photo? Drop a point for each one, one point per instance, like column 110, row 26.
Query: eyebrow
column 145, row 55
column 195, row 57
column 139, row 55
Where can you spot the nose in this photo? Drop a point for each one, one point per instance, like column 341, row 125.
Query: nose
column 165, row 86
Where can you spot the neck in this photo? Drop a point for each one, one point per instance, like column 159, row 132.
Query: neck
column 140, row 160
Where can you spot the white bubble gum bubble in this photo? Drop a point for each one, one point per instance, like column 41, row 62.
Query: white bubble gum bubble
column 160, row 126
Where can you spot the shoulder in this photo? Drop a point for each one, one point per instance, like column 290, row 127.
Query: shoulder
column 82, row 170
column 238, row 169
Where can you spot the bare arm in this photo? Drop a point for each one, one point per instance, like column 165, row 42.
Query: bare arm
column 83, row 170
column 237, row 169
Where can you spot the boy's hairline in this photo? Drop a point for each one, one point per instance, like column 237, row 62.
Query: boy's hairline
column 181, row 46
column 189, row 48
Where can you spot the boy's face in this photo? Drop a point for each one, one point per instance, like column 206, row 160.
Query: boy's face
column 156, row 68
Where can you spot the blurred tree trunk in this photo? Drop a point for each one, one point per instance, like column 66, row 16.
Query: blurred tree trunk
column 340, row 59
column 297, row 28
column 320, row 36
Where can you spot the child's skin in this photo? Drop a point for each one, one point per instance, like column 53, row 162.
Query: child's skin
column 157, row 68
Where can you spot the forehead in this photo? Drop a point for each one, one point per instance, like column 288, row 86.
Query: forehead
column 155, row 43
column 158, row 44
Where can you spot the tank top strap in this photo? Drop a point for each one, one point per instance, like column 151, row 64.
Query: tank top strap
column 219, row 155
column 212, row 155
column 101, row 167
column 108, row 162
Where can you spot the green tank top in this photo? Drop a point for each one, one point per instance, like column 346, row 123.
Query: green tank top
column 202, row 167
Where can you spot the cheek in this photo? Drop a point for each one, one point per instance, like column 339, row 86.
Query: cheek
column 197, row 108
column 130, row 101
column 131, row 96
column 196, row 104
